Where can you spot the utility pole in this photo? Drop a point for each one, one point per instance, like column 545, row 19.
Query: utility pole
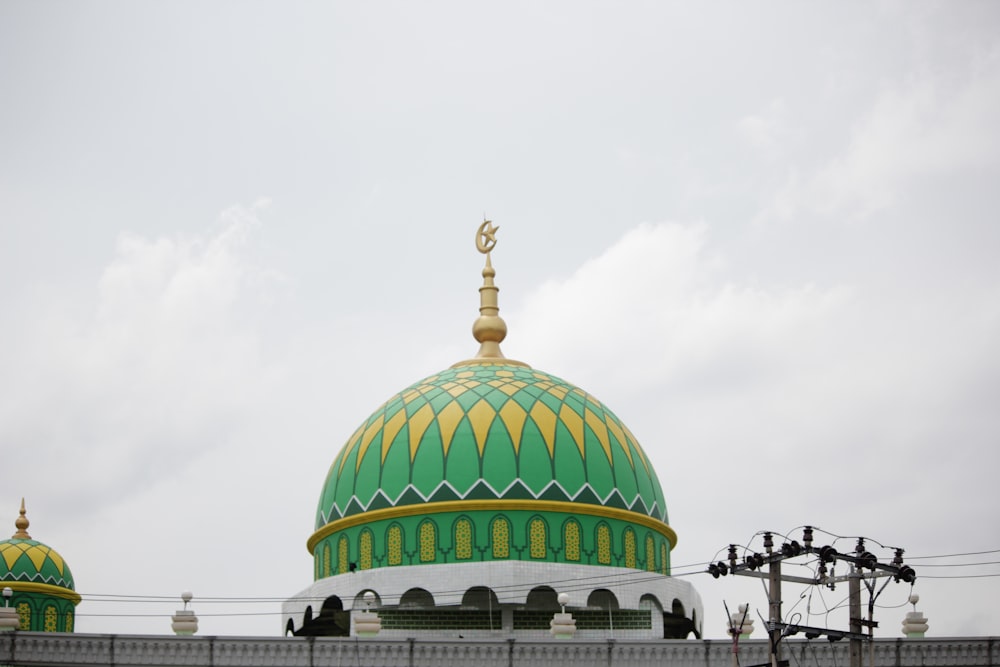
column 864, row 568
column 854, row 605
column 774, row 601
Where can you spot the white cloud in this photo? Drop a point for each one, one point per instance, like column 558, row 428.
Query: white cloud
column 923, row 126
column 158, row 370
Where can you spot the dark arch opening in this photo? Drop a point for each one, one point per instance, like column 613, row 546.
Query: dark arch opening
column 543, row 598
column 480, row 597
column 602, row 598
column 416, row 598
column 332, row 620
column 675, row 624
column 289, row 628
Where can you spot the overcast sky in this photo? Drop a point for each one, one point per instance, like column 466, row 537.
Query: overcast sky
column 764, row 234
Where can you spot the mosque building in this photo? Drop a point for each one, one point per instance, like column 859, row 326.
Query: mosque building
column 469, row 501
column 36, row 582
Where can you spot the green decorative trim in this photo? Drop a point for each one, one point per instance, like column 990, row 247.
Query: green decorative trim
column 496, row 506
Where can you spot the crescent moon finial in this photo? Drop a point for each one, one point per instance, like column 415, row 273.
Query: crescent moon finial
column 486, row 237
column 489, row 329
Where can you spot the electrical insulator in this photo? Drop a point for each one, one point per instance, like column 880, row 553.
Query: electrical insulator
column 807, row 537
column 906, row 574
column 868, row 560
column 792, row 549
column 827, row 554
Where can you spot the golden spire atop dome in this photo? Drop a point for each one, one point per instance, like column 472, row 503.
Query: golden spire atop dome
column 21, row 523
column 489, row 329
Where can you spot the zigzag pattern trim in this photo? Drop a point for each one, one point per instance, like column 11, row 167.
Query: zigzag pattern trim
column 356, row 506
column 38, row 579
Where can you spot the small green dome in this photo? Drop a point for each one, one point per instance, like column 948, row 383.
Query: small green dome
column 25, row 560
column 490, row 430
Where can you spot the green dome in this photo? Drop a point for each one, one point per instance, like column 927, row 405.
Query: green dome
column 490, row 430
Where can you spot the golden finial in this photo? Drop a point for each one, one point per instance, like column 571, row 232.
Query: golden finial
column 489, row 329
column 21, row 523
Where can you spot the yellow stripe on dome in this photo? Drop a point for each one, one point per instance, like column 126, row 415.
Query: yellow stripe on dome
column 509, row 388
column 560, row 506
column 481, row 417
column 620, row 437
column 47, row 589
column 635, row 445
column 58, row 561
column 545, row 420
column 392, row 428
column 37, row 554
column 465, row 374
column 574, row 424
column 349, row 446
column 448, row 420
column 10, row 553
column 419, row 422
column 366, row 441
column 513, row 416
column 600, row 430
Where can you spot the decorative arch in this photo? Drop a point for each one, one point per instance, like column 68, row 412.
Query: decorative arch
column 289, row 628
column 24, row 613
column 463, row 532
column 628, row 542
column 50, row 619
column 664, row 560
column 650, row 553
column 427, row 535
column 603, row 544
column 365, row 542
column 500, row 530
column 394, row 543
column 571, row 540
column 538, row 538
column 342, row 554
column 327, row 564
column 69, row 621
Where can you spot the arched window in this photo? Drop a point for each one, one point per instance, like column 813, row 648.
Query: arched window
column 664, row 560
column 603, row 544
column 51, row 619
column 69, row 621
column 629, row 539
column 327, row 565
column 365, row 560
column 342, row 556
column 428, row 542
column 536, row 538
column 24, row 612
column 463, row 539
column 650, row 554
column 501, row 537
column 394, row 541
column 571, row 539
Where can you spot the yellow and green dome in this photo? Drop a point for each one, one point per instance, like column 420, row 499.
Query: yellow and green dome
column 490, row 430
column 491, row 460
column 42, row 584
